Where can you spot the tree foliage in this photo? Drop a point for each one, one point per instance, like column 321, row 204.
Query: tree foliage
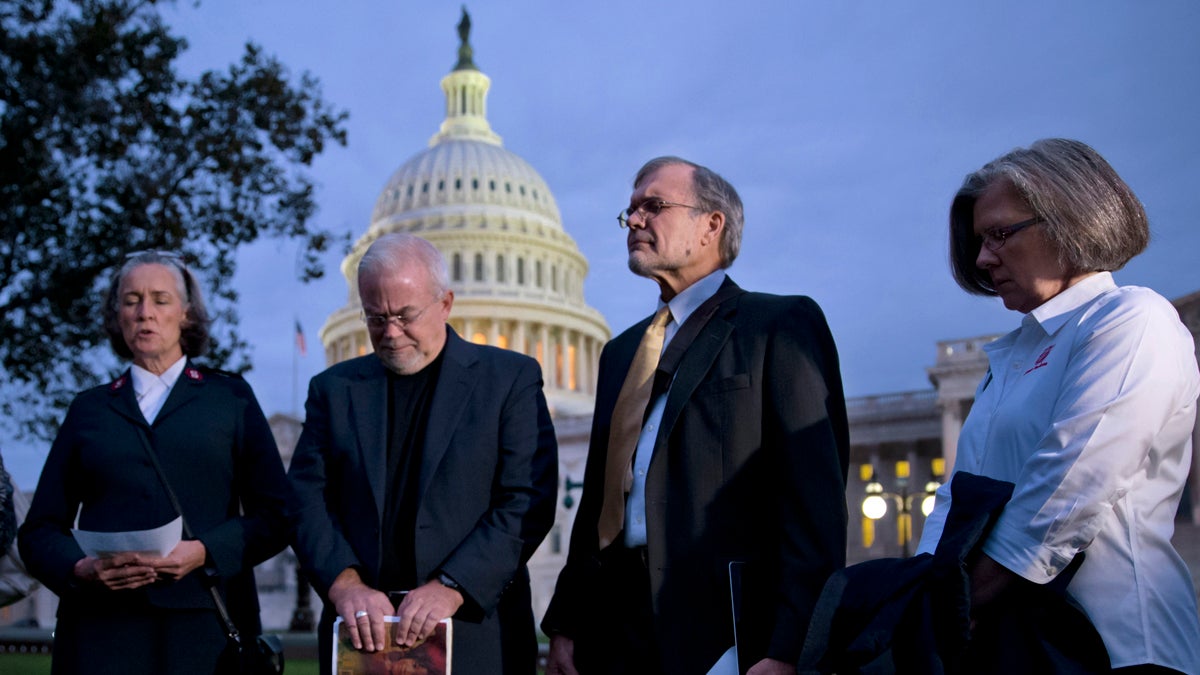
column 105, row 149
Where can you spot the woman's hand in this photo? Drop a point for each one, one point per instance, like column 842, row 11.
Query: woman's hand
column 121, row 572
column 188, row 555
column 988, row 580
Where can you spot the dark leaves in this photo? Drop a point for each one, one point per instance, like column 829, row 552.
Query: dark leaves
column 104, row 149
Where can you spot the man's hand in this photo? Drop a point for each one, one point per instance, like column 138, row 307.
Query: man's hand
column 772, row 667
column 561, row 659
column 121, row 572
column 421, row 610
column 362, row 608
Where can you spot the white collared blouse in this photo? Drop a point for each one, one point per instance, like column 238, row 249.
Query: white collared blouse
column 1088, row 408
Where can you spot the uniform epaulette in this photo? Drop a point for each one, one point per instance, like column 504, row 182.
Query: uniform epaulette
column 215, row 372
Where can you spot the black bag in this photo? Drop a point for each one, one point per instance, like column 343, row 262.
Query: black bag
column 264, row 656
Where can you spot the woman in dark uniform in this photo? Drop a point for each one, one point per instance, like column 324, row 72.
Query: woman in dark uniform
column 136, row 612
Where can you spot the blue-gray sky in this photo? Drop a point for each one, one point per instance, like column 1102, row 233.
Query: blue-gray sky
column 846, row 126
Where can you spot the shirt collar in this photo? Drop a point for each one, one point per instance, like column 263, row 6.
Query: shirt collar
column 690, row 298
column 1054, row 313
column 142, row 377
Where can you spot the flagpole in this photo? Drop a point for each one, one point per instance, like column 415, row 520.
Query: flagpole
column 297, row 344
column 295, row 376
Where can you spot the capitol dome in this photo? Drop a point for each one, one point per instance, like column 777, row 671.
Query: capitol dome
column 516, row 274
column 460, row 172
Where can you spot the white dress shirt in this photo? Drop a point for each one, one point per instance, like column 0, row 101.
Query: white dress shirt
column 682, row 306
column 1088, row 409
column 152, row 390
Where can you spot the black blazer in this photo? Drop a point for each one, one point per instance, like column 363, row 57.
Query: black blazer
column 749, row 465
column 487, row 484
column 217, row 450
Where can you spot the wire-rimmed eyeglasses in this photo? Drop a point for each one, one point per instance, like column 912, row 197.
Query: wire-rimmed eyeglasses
column 994, row 238
column 648, row 209
column 402, row 321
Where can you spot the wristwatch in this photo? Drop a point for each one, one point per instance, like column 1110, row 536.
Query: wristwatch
column 445, row 580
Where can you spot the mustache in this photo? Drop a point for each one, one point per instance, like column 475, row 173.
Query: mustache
column 639, row 237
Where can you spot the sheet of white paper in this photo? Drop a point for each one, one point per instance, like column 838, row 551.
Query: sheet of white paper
column 160, row 541
column 727, row 664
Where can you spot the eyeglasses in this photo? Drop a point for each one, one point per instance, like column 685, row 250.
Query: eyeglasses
column 994, row 238
column 173, row 256
column 381, row 321
column 648, row 209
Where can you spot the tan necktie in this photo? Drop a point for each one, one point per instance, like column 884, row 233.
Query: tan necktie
column 626, row 426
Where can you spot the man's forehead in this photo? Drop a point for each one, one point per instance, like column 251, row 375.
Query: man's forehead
column 396, row 284
column 669, row 177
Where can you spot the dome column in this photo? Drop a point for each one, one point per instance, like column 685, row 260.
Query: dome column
column 520, row 339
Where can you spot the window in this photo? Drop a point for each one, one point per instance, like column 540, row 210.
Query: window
column 478, row 267
column 456, row 267
column 520, row 271
column 500, row 269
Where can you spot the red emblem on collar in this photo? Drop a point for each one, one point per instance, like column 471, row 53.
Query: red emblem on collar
column 194, row 374
column 117, row 383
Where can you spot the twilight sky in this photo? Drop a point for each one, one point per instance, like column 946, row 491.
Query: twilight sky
column 845, row 125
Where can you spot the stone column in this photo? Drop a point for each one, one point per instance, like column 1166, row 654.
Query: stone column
column 520, row 338
column 547, row 356
column 952, row 423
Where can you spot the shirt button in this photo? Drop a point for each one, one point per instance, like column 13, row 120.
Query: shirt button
column 641, row 472
column 1052, row 571
column 639, row 519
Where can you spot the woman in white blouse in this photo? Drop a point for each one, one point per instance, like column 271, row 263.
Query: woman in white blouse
column 1087, row 408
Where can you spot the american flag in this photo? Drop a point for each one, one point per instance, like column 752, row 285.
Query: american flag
column 300, row 344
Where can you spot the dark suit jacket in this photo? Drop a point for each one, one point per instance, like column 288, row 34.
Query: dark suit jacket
column 487, row 485
column 749, row 465
column 217, row 450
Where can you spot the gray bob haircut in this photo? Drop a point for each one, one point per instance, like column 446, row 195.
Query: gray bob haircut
column 1092, row 217
column 392, row 251
column 711, row 192
column 194, row 336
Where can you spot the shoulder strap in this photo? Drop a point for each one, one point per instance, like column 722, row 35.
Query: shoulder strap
column 231, row 630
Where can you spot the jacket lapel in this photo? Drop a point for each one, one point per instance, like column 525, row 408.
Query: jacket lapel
column 123, row 401
column 695, row 363
column 450, row 398
column 186, row 388
column 368, row 417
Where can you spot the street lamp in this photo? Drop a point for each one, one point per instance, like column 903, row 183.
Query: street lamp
column 876, row 502
column 568, row 486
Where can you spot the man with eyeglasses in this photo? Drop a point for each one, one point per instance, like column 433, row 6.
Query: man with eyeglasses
column 428, row 467
column 715, row 481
